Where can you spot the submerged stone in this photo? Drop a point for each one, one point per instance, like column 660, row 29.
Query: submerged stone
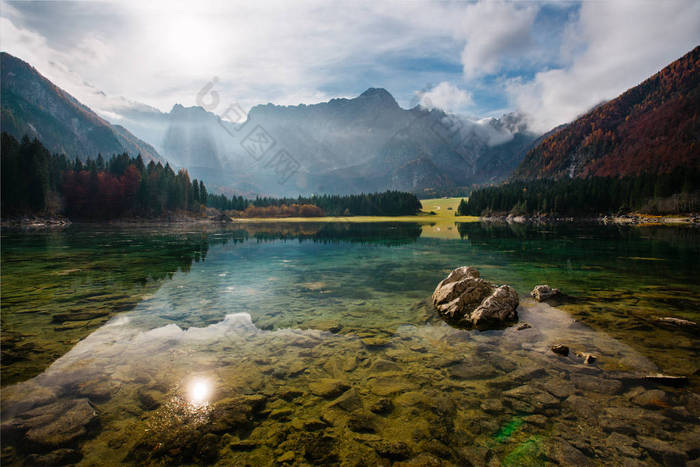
column 60, row 423
column 662, row 451
column 57, row 457
column 286, row 458
column 652, row 399
column 596, row 384
column 566, row 454
column 587, row 358
column 381, row 406
column 543, row 292
column 349, row 401
column 394, row 450
column 149, row 399
column 362, row 422
column 328, row 388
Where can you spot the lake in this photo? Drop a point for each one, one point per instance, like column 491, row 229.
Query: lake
column 286, row 343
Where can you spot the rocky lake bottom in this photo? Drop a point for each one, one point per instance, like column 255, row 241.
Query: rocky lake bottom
column 319, row 345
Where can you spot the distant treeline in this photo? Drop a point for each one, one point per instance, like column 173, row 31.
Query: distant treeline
column 389, row 203
column 666, row 193
column 37, row 182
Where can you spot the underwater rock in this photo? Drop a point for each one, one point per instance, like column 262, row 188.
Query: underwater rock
column 423, row 459
column 382, row 366
column 79, row 315
column 375, row 342
column 662, row 452
column 287, row 457
column 543, row 292
column 281, row 414
column 235, row 413
column 582, row 407
column 625, row 445
column 596, row 384
column 588, row 358
column 651, row 399
column 57, row 424
column 523, row 326
column 362, row 422
column 386, row 386
column 328, row 388
column 492, row 406
column 464, row 297
column 560, row 349
column 530, row 399
column 208, row 448
column 667, row 380
column 394, row 450
column 242, row 444
column 566, row 454
column 678, row 323
column 307, row 425
column 469, row 371
column 57, row 457
column 32, row 395
column 97, row 390
column 290, row 394
column 382, row 406
column 349, row 401
column 149, row 398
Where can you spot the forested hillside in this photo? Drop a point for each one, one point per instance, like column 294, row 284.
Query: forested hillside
column 653, row 127
column 37, row 182
column 662, row 193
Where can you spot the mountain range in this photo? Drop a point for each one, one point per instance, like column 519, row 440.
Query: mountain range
column 33, row 106
column 653, row 127
column 367, row 143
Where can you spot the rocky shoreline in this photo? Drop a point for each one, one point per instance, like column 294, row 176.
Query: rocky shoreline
column 634, row 219
column 212, row 216
column 36, row 222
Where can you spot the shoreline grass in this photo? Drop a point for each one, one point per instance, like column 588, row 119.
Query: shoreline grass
column 444, row 209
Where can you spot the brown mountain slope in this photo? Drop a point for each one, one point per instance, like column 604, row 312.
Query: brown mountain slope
column 34, row 106
column 653, row 127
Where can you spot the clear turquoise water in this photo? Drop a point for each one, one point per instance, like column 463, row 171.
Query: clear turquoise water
column 307, row 343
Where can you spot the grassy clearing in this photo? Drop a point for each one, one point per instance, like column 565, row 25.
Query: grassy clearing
column 444, row 209
column 439, row 225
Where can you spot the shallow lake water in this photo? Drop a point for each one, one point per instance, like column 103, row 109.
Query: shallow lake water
column 317, row 344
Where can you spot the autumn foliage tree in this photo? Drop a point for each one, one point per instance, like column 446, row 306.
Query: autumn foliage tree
column 652, row 127
column 95, row 189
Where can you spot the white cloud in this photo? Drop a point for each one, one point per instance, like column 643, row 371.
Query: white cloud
column 611, row 46
column 164, row 52
column 496, row 33
column 161, row 53
column 446, row 96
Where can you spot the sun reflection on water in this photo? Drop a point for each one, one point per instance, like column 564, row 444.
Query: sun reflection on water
column 199, row 392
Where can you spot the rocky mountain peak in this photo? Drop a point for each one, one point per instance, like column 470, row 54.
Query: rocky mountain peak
column 380, row 95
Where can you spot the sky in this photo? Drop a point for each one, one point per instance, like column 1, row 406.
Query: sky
column 549, row 60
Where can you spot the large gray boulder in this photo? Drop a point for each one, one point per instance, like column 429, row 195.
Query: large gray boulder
column 467, row 299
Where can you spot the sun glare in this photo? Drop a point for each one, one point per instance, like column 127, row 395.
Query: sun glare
column 199, row 392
